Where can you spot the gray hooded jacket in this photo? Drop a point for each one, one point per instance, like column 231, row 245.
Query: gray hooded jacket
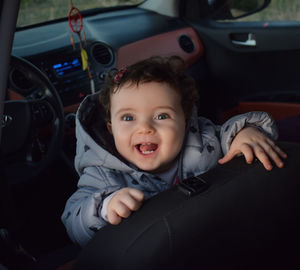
column 103, row 171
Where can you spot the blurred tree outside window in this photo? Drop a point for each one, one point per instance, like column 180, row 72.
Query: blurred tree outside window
column 277, row 10
column 39, row 11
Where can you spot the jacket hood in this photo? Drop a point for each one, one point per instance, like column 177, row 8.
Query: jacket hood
column 95, row 145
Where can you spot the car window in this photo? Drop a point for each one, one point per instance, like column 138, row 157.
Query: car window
column 39, row 11
column 277, row 10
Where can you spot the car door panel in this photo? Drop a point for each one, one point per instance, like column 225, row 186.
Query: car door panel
column 265, row 72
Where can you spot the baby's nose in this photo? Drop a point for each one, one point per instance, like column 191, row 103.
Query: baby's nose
column 146, row 127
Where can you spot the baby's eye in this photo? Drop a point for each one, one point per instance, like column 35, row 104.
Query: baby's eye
column 162, row 116
column 127, row 118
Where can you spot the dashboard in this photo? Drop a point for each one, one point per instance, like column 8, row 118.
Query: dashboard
column 114, row 39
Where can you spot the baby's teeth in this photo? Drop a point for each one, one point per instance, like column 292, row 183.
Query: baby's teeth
column 147, row 152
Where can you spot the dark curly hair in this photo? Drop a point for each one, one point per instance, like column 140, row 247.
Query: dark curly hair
column 170, row 70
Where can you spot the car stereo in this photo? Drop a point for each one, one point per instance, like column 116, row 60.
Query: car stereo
column 64, row 69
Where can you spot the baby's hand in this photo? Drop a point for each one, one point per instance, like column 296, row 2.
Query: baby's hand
column 250, row 141
column 123, row 203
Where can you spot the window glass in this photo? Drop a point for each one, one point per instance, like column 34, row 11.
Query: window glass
column 277, row 10
column 38, row 11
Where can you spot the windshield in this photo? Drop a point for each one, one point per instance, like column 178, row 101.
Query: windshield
column 39, row 11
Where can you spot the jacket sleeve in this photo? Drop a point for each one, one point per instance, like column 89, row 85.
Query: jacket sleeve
column 261, row 120
column 81, row 215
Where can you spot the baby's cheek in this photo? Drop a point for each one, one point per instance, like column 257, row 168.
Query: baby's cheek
column 175, row 143
column 120, row 140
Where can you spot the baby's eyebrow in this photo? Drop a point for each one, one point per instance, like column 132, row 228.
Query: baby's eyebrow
column 122, row 110
column 166, row 108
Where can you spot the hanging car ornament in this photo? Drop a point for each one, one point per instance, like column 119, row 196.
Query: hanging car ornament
column 76, row 26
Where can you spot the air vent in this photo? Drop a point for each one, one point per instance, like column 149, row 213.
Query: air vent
column 102, row 54
column 20, row 81
column 186, row 44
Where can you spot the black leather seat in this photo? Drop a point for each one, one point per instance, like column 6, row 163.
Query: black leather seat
column 248, row 218
column 289, row 129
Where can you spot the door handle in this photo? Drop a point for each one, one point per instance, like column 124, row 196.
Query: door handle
column 249, row 42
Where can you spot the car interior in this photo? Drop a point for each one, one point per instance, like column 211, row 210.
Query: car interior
column 239, row 65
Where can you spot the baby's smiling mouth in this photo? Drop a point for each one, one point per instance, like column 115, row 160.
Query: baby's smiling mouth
column 146, row 148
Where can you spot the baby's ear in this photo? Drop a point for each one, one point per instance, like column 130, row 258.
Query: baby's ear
column 108, row 125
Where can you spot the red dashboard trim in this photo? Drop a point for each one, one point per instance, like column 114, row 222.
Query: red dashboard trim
column 279, row 110
column 165, row 44
column 71, row 108
column 14, row 95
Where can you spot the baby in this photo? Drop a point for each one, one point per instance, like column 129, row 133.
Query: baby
column 145, row 136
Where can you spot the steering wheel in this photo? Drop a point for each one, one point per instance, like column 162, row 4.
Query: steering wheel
column 26, row 144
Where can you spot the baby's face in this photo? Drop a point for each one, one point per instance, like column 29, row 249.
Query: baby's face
column 148, row 125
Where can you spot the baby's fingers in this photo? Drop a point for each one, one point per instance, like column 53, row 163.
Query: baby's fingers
column 122, row 210
column 274, row 153
column 277, row 149
column 134, row 199
column 229, row 156
column 263, row 157
column 137, row 194
column 113, row 217
column 247, row 151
